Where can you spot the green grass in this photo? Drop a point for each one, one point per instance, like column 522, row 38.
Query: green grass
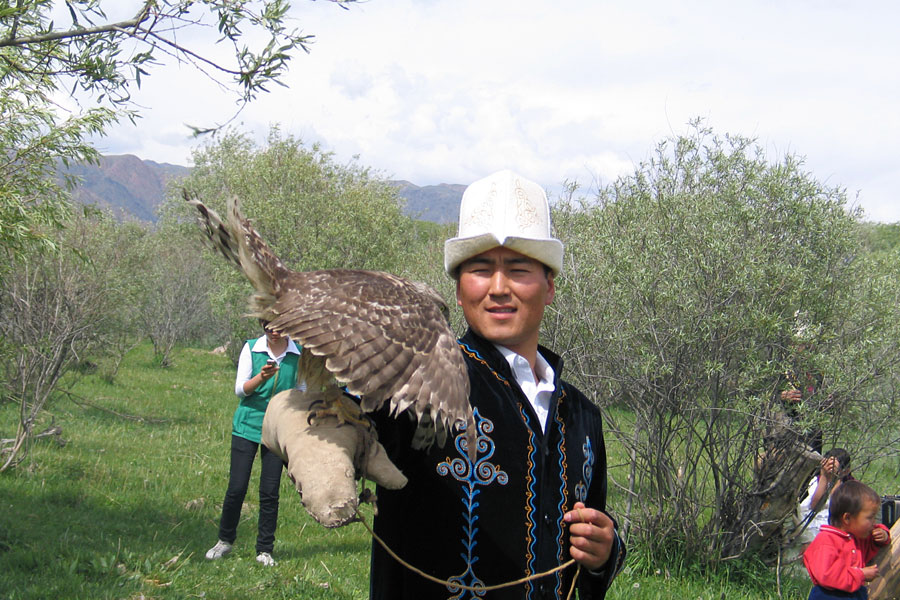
column 128, row 507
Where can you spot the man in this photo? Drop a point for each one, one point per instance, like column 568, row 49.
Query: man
column 536, row 493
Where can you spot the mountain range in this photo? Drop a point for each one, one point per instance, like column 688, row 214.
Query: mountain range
column 132, row 188
column 125, row 185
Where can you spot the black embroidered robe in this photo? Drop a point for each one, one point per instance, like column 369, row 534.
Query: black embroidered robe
column 499, row 519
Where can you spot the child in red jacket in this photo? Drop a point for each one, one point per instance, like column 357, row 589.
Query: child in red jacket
column 836, row 559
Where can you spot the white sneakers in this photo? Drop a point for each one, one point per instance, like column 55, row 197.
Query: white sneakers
column 218, row 551
column 224, row 548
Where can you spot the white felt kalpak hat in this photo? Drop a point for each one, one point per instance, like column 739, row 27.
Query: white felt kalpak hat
column 504, row 209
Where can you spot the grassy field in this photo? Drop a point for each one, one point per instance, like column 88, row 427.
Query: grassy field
column 128, row 506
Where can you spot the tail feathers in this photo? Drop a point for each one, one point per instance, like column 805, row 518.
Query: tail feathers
column 242, row 245
column 218, row 235
column 428, row 432
column 259, row 264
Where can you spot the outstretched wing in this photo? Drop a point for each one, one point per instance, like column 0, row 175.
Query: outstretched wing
column 384, row 337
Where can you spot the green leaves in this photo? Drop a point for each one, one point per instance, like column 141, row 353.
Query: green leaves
column 34, row 137
column 313, row 212
column 95, row 51
column 89, row 54
column 678, row 301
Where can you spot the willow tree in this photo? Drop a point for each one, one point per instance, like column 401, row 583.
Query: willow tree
column 48, row 49
column 685, row 286
column 314, row 212
column 52, row 49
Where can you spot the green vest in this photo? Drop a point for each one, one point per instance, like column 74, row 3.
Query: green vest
column 248, row 417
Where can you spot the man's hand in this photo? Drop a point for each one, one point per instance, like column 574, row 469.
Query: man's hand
column 880, row 536
column 591, row 534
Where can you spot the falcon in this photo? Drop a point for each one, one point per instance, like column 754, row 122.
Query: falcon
column 383, row 338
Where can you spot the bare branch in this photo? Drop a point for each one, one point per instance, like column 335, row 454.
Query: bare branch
column 119, row 27
column 80, row 401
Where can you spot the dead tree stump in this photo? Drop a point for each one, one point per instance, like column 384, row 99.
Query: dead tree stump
column 780, row 477
column 887, row 585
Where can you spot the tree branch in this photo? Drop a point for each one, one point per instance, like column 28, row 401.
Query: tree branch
column 119, row 27
column 54, row 430
column 186, row 52
column 82, row 402
column 15, row 26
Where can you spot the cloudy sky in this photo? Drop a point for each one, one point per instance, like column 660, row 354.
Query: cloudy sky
column 446, row 91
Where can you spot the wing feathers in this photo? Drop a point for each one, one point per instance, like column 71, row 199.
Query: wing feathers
column 383, row 336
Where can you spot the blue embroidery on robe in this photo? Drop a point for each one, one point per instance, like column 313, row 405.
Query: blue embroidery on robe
column 587, row 470
column 472, row 475
column 560, row 508
column 531, row 512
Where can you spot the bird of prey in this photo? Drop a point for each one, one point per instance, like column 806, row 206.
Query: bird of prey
column 382, row 337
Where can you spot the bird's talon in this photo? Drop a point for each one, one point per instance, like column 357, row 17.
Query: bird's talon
column 345, row 411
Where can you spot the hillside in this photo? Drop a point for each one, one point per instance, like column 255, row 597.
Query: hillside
column 132, row 188
column 435, row 203
column 129, row 187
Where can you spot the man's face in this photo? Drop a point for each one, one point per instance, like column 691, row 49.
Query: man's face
column 503, row 294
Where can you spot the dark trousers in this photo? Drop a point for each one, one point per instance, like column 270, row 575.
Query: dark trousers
column 243, row 452
column 820, row 593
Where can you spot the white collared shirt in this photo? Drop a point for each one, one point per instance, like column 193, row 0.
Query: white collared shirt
column 538, row 392
column 245, row 363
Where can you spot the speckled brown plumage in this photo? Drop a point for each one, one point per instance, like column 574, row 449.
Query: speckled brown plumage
column 383, row 337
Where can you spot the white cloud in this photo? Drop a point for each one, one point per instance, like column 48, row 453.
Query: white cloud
column 447, row 90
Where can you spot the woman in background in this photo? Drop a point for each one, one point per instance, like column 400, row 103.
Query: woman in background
column 267, row 365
